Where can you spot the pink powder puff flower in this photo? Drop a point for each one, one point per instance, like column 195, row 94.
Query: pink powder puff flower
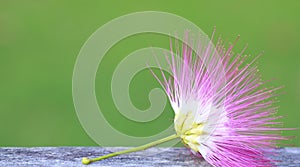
column 222, row 108
column 223, row 111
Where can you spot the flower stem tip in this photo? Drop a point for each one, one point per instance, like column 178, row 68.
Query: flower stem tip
column 86, row 161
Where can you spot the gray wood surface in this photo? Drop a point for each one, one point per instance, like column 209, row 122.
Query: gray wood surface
column 71, row 156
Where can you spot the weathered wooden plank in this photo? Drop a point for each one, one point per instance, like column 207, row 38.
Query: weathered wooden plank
column 71, row 156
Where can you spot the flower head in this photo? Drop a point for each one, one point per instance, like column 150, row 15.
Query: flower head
column 222, row 108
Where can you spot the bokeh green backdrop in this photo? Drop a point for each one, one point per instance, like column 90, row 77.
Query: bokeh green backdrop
column 40, row 40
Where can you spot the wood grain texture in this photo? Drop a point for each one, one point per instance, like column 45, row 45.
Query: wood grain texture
column 71, row 156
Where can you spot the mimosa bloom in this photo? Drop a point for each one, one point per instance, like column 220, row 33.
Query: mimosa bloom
column 222, row 109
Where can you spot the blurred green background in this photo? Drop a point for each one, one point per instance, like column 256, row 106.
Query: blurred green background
column 40, row 40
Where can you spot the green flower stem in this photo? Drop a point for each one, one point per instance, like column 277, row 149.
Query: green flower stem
column 143, row 147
